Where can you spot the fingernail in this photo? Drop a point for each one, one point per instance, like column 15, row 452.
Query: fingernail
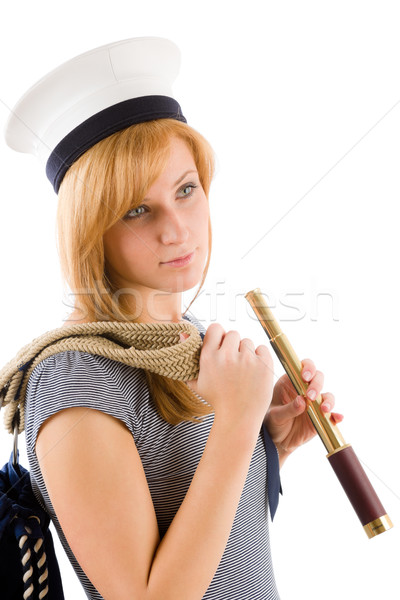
column 307, row 375
column 311, row 394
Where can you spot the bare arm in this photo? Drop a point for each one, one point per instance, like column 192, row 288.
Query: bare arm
column 98, row 488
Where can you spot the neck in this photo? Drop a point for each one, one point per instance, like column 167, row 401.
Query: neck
column 155, row 306
column 145, row 306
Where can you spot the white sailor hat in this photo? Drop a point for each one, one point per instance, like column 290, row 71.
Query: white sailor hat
column 91, row 97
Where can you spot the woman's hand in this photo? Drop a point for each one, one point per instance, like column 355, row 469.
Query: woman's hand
column 235, row 378
column 286, row 420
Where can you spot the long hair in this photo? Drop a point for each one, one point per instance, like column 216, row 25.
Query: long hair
column 105, row 183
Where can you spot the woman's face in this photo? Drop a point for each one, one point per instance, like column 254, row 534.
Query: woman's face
column 172, row 222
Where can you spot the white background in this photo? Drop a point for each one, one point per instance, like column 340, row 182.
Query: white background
column 301, row 102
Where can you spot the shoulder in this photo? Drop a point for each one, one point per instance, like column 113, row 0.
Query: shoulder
column 72, row 379
column 73, row 368
column 73, row 371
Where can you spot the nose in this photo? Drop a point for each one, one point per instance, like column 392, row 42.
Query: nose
column 173, row 228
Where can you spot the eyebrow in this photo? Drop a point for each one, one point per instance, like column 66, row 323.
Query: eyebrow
column 184, row 175
column 179, row 180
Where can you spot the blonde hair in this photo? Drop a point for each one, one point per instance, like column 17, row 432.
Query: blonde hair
column 105, row 183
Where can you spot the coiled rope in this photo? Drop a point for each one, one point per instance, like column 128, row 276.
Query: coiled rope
column 155, row 347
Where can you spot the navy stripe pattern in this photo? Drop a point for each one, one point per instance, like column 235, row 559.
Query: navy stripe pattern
column 170, row 455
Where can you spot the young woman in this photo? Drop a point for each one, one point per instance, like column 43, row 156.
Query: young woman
column 158, row 489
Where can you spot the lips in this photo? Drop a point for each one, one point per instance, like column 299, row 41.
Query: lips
column 180, row 260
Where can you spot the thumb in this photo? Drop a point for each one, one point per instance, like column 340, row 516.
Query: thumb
column 192, row 384
column 282, row 414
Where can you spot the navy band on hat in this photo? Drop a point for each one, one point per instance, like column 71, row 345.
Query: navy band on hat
column 92, row 96
column 105, row 123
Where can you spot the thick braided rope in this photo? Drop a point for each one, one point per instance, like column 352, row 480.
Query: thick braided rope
column 27, row 551
column 24, row 544
column 152, row 346
column 41, row 564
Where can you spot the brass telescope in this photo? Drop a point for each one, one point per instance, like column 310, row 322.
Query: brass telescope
column 341, row 456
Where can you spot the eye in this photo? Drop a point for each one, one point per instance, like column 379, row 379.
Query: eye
column 134, row 213
column 187, row 190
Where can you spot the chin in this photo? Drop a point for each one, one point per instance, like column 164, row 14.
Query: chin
column 183, row 283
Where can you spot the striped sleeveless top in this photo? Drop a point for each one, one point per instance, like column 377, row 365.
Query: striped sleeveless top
column 170, row 455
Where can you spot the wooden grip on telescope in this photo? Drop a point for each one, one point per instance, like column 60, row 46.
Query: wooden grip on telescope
column 341, row 455
column 359, row 490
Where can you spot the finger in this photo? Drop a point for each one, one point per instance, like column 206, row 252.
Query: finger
column 265, row 356
column 308, row 369
column 192, row 384
column 336, row 418
column 328, row 402
column 247, row 344
column 183, row 336
column 263, row 352
column 315, row 385
column 286, row 412
column 231, row 342
column 299, row 404
column 213, row 337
